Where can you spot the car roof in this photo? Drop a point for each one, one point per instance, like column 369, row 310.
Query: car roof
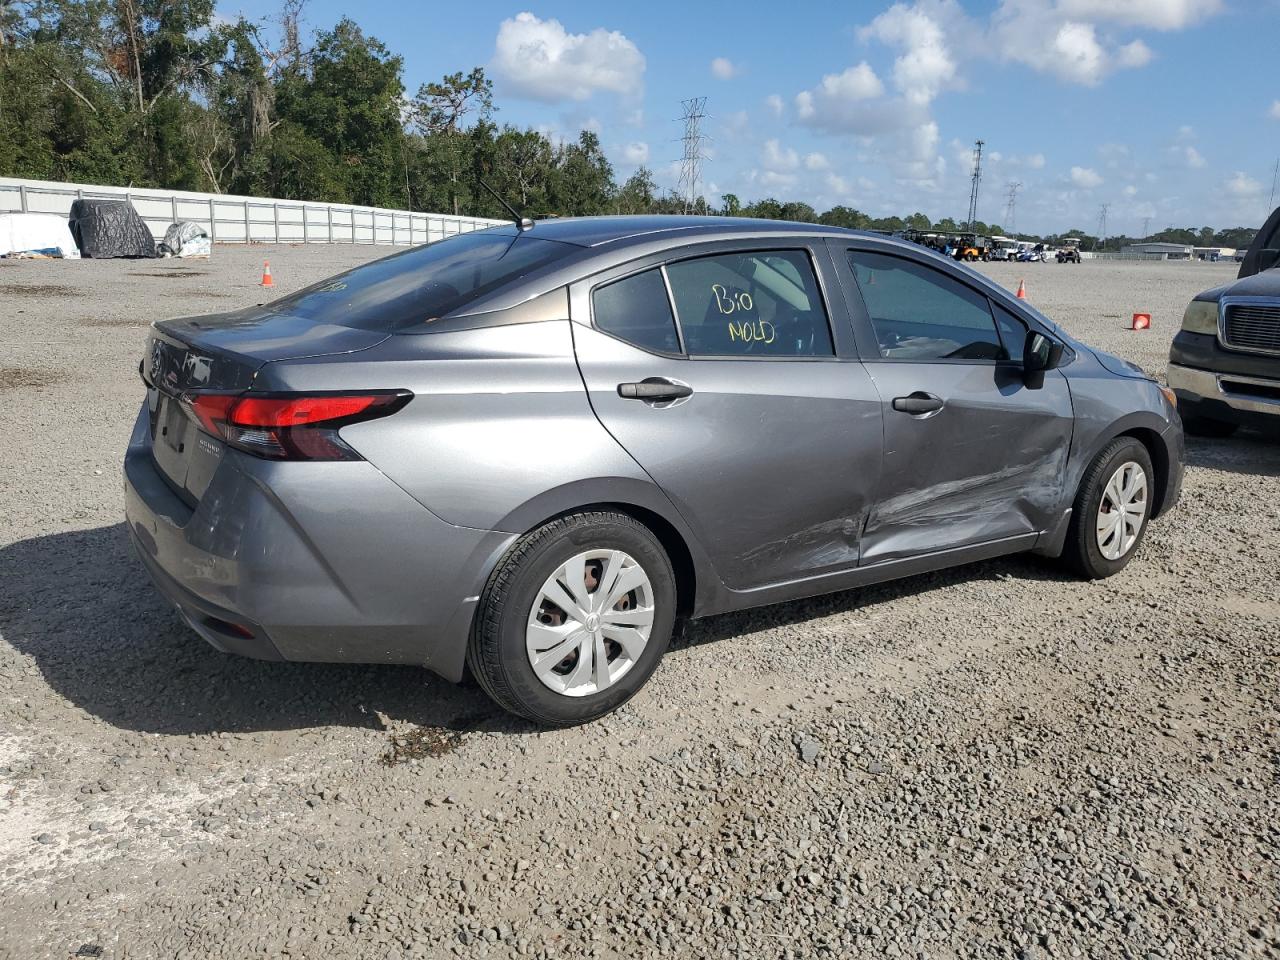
column 599, row 231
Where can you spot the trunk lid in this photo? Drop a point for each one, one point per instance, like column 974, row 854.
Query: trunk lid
column 222, row 352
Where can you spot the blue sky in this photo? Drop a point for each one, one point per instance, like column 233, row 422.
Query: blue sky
column 1167, row 110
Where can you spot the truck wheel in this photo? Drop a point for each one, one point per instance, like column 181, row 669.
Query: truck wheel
column 1110, row 514
column 574, row 619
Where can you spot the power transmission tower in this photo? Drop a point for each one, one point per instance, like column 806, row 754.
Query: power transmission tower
column 1146, row 223
column 692, row 158
column 1011, row 208
column 1271, row 204
column 977, row 178
column 1102, row 224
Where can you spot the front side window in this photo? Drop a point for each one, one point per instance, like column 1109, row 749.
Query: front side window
column 636, row 309
column 919, row 313
column 759, row 304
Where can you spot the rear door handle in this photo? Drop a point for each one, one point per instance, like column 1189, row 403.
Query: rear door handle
column 654, row 389
column 918, row 404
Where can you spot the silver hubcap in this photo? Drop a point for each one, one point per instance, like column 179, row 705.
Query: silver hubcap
column 1122, row 511
column 590, row 622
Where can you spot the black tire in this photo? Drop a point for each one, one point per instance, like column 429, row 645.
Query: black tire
column 1081, row 552
column 496, row 653
column 1208, row 427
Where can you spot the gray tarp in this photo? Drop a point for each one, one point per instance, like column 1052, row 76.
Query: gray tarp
column 110, row 228
column 185, row 239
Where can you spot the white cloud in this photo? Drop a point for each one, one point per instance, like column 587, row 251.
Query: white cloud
column 1036, row 161
column 722, row 68
column 925, row 66
column 1193, row 158
column 637, row 152
column 1063, row 39
column 774, row 103
column 1130, row 190
column 540, row 60
column 1241, row 184
column 1275, row 110
column 816, row 161
column 1156, row 14
column 838, row 185
column 1132, row 55
column 1085, row 177
column 838, row 95
column 778, row 158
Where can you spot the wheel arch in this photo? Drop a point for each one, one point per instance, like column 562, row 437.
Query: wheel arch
column 696, row 581
column 1156, row 448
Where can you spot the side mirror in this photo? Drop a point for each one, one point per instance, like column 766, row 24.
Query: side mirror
column 1039, row 354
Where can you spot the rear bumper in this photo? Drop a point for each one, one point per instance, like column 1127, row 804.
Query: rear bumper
column 313, row 561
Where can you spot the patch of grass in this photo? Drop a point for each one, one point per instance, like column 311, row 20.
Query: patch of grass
column 15, row 378
column 36, row 290
column 420, row 743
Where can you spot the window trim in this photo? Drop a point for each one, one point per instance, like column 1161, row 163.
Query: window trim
column 986, row 298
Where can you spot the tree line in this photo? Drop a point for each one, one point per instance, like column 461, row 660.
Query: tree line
column 162, row 93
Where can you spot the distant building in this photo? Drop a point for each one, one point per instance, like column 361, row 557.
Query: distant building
column 1164, row 251
column 1215, row 253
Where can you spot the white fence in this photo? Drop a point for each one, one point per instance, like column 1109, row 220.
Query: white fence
column 233, row 219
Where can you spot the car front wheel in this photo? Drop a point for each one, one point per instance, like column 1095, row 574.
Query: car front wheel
column 574, row 619
column 1111, row 510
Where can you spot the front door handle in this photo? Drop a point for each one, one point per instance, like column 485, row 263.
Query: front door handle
column 918, row 404
column 654, row 389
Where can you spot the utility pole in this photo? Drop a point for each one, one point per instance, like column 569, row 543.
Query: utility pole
column 1011, row 208
column 977, row 178
column 691, row 158
column 1102, row 225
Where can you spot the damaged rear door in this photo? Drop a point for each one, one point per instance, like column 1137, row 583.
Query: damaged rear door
column 971, row 453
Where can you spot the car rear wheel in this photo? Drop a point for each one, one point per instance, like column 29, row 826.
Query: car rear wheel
column 574, row 619
column 1109, row 518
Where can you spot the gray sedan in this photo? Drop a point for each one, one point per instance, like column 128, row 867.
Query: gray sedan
column 527, row 452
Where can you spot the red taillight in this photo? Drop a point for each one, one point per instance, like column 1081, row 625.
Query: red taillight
column 290, row 426
column 301, row 411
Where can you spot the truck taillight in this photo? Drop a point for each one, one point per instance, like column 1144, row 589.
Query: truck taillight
column 290, row 426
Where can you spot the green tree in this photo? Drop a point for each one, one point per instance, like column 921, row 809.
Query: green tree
column 637, row 194
column 582, row 184
column 349, row 103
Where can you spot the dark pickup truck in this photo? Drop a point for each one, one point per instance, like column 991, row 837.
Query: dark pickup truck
column 1224, row 365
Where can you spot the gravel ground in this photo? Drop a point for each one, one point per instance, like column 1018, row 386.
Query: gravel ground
column 995, row 761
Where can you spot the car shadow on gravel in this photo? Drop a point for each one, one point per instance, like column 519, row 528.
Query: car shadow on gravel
column 1249, row 452
column 80, row 605
column 724, row 626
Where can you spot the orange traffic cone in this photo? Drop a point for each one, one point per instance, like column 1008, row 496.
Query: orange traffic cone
column 1022, row 289
column 266, row 274
column 1142, row 321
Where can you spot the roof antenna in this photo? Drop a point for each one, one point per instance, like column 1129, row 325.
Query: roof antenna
column 522, row 223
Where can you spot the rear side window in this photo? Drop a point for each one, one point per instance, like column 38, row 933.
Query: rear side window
column 919, row 313
column 424, row 283
column 759, row 304
column 637, row 310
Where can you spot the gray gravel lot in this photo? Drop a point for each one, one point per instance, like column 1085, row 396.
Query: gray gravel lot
column 995, row 761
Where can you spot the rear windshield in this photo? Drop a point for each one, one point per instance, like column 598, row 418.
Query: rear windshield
column 424, row 283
